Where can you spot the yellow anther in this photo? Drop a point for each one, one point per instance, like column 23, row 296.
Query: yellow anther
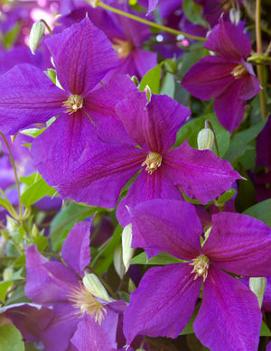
column 200, row 267
column 239, row 71
column 123, row 48
column 73, row 104
column 153, row 162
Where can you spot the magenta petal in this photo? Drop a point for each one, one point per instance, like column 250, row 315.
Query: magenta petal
column 76, row 247
column 200, row 174
column 246, row 248
column 229, row 317
column 90, row 336
column 61, row 147
column 144, row 60
column 153, row 124
column 147, row 187
column 47, row 281
column 163, row 303
column 209, row 78
column 99, row 176
column 82, row 55
column 167, row 226
column 57, row 336
column 27, row 97
column 229, row 40
column 268, row 348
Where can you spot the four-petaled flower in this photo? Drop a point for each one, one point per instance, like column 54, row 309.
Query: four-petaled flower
column 226, row 76
column 229, row 317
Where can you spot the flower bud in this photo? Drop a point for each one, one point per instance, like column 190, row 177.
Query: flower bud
column 258, row 285
column 92, row 283
column 148, row 93
column 235, row 15
column 206, row 138
column 118, row 262
column 127, row 250
column 36, row 35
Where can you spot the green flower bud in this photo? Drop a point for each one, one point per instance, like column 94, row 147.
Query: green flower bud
column 206, row 138
column 36, row 35
column 92, row 283
column 127, row 250
column 258, row 285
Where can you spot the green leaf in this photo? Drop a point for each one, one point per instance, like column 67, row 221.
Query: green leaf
column 104, row 257
column 193, row 12
column 4, row 286
column 241, row 141
column 63, row 222
column 261, row 211
column 152, row 78
column 35, row 189
column 192, row 128
column 11, row 36
column 10, row 338
column 194, row 54
column 265, row 331
column 161, row 259
column 168, row 85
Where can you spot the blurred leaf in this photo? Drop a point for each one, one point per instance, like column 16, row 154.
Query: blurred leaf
column 193, row 12
column 241, row 140
column 228, row 195
column 191, row 129
column 36, row 188
column 168, row 85
column 265, row 331
column 104, row 257
column 261, row 211
column 193, row 55
column 63, row 222
column 161, row 259
column 4, row 286
column 10, row 338
column 11, row 36
column 152, row 78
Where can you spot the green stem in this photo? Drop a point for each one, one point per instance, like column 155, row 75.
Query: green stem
column 160, row 27
column 260, row 69
column 13, row 165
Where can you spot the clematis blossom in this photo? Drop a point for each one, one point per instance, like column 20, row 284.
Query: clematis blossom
column 82, row 319
column 226, row 76
column 229, row 317
column 148, row 152
column 83, row 57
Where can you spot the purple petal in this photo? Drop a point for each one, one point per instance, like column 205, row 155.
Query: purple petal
column 268, row 348
column 163, row 303
column 200, row 174
column 152, row 5
column 167, row 226
column 229, row 40
column 57, row 336
column 155, row 124
column 102, row 167
column 82, row 55
column 246, row 248
column 47, row 281
column 209, row 78
column 229, row 317
column 61, row 146
column 90, row 336
column 147, row 187
column 267, row 296
column 144, row 60
column 27, row 97
column 76, row 248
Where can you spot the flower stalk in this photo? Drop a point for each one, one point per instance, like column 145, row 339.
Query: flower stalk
column 98, row 3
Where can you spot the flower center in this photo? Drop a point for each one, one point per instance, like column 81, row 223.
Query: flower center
column 200, row 266
column 153, row 162
column 122, row 47
column 73, row 104
column 85, row 302
column 239, row 71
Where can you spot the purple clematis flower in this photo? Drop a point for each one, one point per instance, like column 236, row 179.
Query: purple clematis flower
column 82, row 321
column 87, row 99
column 229, row 317
column 227, row 77
column 163, row 171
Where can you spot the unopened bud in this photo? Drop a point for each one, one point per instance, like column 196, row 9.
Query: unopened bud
column 135, row 80
column 258, row 285
column 206, row 138
column 118, row 262
column 95, row 287
column 94, row 3
column 148, row 93
column 127, row 250
column 36, row 35
column 235, row 15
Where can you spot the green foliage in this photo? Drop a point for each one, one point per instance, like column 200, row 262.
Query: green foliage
column 161, row 259
column 193, row 12
column 10, row 338
column 261, row 210
column 152, row 79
